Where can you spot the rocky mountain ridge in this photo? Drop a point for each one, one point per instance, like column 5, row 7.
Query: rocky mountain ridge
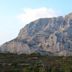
column 52, row 36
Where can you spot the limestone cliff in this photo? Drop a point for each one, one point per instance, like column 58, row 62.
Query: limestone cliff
column 45, row 36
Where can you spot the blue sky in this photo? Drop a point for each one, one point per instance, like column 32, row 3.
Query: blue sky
column 12, row 11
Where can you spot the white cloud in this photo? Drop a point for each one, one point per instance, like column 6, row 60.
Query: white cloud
column 9, row 25
column 30, row 14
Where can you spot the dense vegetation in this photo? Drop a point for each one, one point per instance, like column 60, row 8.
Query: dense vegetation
column 34, row 63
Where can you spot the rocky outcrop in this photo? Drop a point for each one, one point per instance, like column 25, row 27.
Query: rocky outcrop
column 51, row 36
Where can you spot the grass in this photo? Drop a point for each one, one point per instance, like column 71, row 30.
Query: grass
column 34, row 63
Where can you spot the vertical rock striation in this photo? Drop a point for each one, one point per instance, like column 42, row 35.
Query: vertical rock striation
column 45, row 36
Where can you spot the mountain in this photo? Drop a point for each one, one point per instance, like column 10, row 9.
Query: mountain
column 52, row 36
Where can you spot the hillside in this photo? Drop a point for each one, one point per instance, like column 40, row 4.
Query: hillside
column 34, row 63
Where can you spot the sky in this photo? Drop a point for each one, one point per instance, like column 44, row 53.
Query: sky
column 15, row 14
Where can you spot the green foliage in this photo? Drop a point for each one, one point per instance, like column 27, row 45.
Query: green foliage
column 34, row 63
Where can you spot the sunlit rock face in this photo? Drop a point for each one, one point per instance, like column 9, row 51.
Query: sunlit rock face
column 52, row 36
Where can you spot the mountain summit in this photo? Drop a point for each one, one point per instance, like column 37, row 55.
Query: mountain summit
column 52, row 36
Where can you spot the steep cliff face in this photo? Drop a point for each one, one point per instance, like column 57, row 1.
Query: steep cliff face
column 45, row 36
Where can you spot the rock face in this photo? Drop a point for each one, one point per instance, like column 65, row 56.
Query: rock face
column 51, row 36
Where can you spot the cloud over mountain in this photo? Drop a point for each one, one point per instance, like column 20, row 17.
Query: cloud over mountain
column 30, row 14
